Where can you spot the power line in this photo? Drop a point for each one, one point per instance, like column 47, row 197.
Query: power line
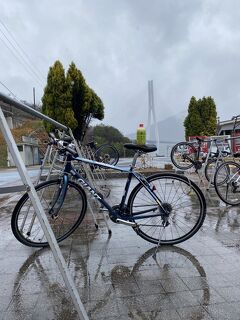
column 21, row 49
column 8, row 89
column 22, row 63
column 20, row 59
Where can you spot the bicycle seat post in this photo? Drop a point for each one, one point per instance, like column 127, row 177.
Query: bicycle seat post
column 136, row 155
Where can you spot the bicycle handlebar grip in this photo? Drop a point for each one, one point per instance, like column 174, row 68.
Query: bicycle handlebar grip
column 52, row 138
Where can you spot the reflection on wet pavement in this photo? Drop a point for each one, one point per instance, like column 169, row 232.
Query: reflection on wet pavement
column 118, row 278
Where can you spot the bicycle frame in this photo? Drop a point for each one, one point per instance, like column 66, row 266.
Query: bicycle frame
column 70, row 170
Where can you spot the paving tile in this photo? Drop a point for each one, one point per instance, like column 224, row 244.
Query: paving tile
column 118, row 278
column 174, row 285
column 230, row 294
column 4, row 302
column 208, row 296
column 194, row 283
column 158, row 302
column 224, row 311
column 131, row 306
column 150, row 287
column 196, row 313
column 183, row 299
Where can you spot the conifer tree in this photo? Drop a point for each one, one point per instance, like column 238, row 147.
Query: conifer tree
column 85, row 103
column 69, row 100
column 202, row 117
column 57, row 98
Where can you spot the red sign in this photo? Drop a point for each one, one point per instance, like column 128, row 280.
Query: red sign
column 236, row 142
column 204, row 145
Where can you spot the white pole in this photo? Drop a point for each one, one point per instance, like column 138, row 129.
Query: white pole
column 151, row 111
column 42, row 217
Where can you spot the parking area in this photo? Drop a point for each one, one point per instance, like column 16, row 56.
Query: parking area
column 118, row 277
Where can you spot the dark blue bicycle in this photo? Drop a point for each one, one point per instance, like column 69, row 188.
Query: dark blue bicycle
column 164, row 208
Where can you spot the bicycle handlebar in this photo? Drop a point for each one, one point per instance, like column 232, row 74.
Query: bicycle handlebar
column 235, row 117
column 63, row 144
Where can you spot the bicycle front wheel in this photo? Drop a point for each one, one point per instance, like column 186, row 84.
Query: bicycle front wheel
column 211, row 168
column 180, row 197
column 26, row 226
column 183, row 155
column 227, row 182
column 107, row 154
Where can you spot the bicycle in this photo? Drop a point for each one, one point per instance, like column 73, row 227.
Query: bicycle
column 186, row 155
column 227, row 176
column 227, row 182
column 164, row 208
column 106, row 153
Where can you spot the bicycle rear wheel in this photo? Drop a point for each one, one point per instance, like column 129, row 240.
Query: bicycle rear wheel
column 26, row 226
column 107, row 154
column 183, row 155
column 227, row 182
column 180, row 197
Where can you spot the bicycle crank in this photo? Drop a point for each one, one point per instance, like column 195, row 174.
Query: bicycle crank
column 127, row 223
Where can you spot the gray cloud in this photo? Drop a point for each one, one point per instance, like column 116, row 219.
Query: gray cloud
column 187, row 47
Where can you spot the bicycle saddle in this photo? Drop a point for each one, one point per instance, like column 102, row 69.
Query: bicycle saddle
column 145, row 148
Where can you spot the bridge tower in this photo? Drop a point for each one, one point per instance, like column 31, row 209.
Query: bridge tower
column 153, row 135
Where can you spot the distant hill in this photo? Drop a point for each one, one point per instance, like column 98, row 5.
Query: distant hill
column 170, row 129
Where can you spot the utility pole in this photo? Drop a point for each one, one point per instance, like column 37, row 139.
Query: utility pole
column 151, row 114
column 34, row 101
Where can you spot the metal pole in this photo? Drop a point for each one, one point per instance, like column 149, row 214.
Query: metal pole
column 34, row 102
column 42, row 217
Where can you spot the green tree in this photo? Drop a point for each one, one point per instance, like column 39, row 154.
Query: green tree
column 108, row 134
column 57, row 98
column 69, row 100
column 202, row 117
column 85, row 102
column 208, row 115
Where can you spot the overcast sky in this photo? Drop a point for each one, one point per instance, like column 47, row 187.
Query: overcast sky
column 187, row 47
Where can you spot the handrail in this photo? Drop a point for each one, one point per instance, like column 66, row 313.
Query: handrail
column 15, row 103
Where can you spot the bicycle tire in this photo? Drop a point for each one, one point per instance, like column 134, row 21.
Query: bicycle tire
column 226, row 182
column 180, row 154
column 210, row 169
column 25, row 224
column 183, row 199
column 107, row 153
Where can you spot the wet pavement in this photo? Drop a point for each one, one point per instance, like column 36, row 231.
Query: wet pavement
column 118, row 278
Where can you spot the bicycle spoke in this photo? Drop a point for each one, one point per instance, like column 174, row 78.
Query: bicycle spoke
column 180, row 214
column 27, row 228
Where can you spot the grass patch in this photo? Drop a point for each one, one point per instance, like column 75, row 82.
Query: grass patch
column 3, row 156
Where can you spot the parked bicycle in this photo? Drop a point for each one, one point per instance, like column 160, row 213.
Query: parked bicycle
column 164, row 208
column 187, row 155
column 106, row 153
column 227, row 182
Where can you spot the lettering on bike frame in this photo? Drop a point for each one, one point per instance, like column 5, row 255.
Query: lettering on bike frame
column 87, row 186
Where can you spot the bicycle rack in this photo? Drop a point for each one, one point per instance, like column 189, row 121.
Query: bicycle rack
column 218, row 142
column 29, row 187
column 94, row 181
